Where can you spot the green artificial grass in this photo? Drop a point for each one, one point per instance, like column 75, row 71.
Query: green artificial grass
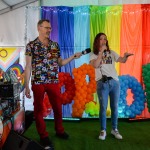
column 84, row 135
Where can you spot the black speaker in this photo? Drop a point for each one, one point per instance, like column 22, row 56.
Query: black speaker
column 16, row 141
column 28, row 119
column 10, row 91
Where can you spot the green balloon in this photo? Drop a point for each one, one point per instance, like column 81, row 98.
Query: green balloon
column 146, row 78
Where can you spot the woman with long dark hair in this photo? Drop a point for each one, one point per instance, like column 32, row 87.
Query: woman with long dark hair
column 103, row 60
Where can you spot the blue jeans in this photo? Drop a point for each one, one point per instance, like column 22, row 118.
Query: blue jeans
column 110, row 88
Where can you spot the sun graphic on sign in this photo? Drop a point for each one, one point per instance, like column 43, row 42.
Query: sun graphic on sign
column 8, row 56
column 3, row 53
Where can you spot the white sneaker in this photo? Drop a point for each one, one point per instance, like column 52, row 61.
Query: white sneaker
column 102, row 135
column 116, row 134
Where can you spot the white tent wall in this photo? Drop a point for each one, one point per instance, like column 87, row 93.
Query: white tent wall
column 12, row 27
column 32, row 17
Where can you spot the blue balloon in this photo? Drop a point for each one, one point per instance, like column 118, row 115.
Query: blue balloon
column 132, row 115
column 128, row 112
column 120, row 110
column 139, row 98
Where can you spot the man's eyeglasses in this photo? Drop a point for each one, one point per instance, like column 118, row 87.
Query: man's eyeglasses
column 47, row 28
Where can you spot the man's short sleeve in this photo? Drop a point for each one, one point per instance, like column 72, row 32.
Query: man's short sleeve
column 28, row 50
column 59, row 55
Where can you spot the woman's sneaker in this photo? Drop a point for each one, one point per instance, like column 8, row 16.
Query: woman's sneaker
column 116, row 134
column 102, row 135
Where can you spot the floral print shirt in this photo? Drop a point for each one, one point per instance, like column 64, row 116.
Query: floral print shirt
column 44, row 61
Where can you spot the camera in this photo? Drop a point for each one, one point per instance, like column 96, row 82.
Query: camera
column 104, row 78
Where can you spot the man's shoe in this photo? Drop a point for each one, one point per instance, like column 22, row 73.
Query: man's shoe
column 62, row 135
column 116, row 134
column 102, row 135
column 46, row 143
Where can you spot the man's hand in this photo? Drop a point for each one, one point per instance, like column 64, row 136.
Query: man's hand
column 77, row 55
column 27, row 92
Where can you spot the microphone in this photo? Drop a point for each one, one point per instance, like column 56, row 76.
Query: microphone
column 86, row 51
column 105, row 50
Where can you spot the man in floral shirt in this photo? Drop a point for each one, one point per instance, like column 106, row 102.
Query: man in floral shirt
column 42, row 62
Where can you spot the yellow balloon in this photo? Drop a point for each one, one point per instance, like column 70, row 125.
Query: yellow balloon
column 108, row 113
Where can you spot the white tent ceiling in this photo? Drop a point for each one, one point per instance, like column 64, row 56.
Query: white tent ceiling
column 8, row 5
